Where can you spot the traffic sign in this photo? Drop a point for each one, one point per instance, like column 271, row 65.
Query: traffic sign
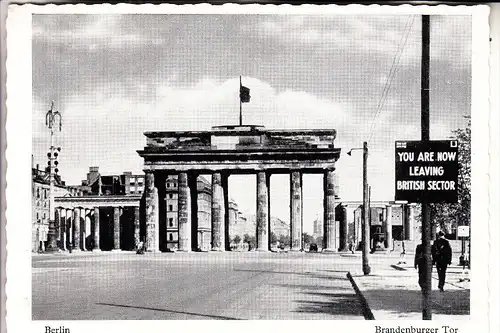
column 463, row 231
column 427, row 170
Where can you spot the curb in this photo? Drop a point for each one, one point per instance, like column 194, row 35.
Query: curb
column 367, row 312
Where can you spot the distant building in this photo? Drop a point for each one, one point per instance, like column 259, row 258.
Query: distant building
column 40, row 204
column 317, row 228
column 204, row 189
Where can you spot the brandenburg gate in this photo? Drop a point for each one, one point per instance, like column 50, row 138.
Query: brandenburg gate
column 227, row 150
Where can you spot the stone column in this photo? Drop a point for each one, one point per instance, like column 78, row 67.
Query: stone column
column 193, row 206
column 410, row 222
column 97, row 226
column 62, row 228
column 116, row 228
column 152, row 232
column 137, row 229
column 225, row 196
column 69, row 228
column 218, row 213
column 295, row 210
column 344, row 228
column 262, row 211
column 184, row 213
column 329, row 212
column 76, row 231
column 388, row 227
column 84, row 229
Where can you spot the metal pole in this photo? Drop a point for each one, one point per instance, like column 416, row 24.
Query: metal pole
column 426, row 222
column 241, row 115
column 51, row 118
column 366, row 224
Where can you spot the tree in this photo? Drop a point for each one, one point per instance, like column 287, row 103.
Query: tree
column 274, row 238
column 450, row 215
column 284, row 240
column 250, row 240
column 308, row 239
column 237, row 239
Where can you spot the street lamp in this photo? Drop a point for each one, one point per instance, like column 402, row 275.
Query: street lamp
column 52, row 119
column 364, row 212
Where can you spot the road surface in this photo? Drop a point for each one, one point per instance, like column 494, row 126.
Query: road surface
column 111, row 286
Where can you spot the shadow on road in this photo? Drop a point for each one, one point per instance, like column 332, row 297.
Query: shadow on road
column 339, row 304
column 170, row 311
column 309, row 274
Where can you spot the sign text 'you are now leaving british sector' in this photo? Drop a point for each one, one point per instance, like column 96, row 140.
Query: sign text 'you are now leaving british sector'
column 427, row 170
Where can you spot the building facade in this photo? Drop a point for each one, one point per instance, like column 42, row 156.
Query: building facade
column 40, row 192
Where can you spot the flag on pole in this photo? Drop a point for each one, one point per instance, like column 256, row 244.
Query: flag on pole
column 244, row 94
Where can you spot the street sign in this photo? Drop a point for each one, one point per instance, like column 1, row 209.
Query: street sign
column 427, row 169
column 463, row 231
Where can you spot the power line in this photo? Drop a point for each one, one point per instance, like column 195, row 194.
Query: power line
column 392, row 72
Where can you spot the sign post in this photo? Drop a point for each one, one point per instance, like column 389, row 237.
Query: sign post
column 426, row 172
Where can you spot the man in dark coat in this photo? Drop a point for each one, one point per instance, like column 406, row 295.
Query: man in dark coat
column 419, row 264
column 441, row 256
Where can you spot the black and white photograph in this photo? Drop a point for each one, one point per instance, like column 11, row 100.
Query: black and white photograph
column 251, row 163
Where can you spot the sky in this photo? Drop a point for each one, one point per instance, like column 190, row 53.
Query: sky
column 113, row 77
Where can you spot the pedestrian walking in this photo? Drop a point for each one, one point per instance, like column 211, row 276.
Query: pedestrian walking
column 419, row 264
column 441, row 257
column 402, row 255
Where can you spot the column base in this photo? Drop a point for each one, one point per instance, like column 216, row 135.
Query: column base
column 116, row 250
column 96, row 250
column 329, row 251
column 76, row 250
column 262, row 250
column 297, row 249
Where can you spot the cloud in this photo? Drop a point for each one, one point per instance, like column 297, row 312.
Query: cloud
column 108, row 129
column 369, row 35
column 91, row 32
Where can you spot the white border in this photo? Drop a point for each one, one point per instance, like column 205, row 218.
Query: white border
column 18, row 215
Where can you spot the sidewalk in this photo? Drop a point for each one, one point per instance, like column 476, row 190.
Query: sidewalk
column 390, row 293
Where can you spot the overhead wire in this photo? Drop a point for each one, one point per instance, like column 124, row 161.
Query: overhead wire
column 392, row 72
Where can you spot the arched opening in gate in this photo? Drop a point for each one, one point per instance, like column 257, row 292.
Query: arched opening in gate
column 242, row 196
column 280, row 236
column 313, row 211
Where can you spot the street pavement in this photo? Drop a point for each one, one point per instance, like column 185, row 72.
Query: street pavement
column 236, row 285
column 391, row 291
column 248, row 285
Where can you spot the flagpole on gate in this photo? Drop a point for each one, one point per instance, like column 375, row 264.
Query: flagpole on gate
column 241, row 116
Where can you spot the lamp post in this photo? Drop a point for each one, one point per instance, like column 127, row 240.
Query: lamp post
column 364, row 212
column 52, row 120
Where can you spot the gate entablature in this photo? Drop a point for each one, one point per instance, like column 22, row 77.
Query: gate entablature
column 240, row 148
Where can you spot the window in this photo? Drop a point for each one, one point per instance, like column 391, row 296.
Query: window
column 44, row 216
column 38, row 193
column 168, row 184
column 37, row 216
column 175, row 185
column 170, row 237
column 170, row 196
column 45, row 194
column 170, row 207
column 170, row 222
